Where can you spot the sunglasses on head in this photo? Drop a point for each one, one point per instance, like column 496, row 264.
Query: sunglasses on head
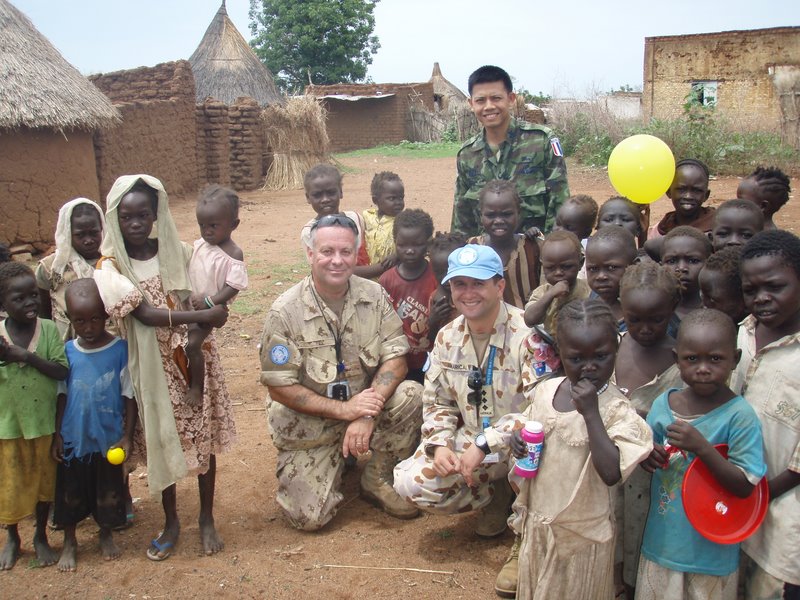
column 339, row 220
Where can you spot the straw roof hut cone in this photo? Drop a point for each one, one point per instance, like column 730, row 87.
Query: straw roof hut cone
column 40, row 89
column 226, row 68
column 443, row 90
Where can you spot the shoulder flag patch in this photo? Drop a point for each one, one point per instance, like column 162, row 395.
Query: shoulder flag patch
column 555, row 144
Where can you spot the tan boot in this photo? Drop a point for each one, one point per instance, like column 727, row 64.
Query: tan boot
column 492, row 518
column 505, row 585
column 376, row 487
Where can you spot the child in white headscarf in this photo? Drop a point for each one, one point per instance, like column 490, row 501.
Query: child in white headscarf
column 144, row 284
column 79, row 232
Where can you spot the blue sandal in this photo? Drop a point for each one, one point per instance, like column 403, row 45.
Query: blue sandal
column 159, row 551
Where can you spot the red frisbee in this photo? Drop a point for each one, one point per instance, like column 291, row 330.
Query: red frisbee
column 717, row 514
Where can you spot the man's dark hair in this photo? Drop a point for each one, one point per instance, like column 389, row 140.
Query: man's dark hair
column 489, row 74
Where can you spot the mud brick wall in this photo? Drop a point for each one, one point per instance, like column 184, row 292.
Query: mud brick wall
column 40, row 171
column 371, row 121
column 156, row 137
column 739, row 61
column 165, row 81
column 213, row 146
column 246, row 140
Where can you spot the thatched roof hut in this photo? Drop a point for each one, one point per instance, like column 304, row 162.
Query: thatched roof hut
column 226, row 68
column 48, row 114
column 444, row 92
column 40, row 89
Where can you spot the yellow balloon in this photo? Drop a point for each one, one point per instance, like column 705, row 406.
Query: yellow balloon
column 116, row 456
column 641, row 168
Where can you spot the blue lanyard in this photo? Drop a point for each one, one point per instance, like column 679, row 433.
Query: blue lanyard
column 487, row 380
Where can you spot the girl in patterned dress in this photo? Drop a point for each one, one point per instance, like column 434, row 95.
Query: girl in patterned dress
column 145, row 285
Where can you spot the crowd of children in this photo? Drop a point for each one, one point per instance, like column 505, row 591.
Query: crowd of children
column 655, row 353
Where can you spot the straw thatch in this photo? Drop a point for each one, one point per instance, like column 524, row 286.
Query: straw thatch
column 39, row 89
column 226, row 68
column 443, row 90
column 298, row 139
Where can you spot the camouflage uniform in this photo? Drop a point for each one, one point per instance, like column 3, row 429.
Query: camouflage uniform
column 298, row 348
column 449, row 420
column 527, row 159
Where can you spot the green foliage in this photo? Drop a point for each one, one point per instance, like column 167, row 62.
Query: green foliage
column 450, row 134
column 406, row 149
column 531, row 98
column 314, row 41
column 589, row 133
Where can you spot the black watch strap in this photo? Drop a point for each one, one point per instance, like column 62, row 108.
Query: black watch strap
column 482, row 444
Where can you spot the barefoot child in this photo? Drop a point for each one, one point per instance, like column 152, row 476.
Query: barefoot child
column 562, row 258
column 677, row 561
column 32, row 362
column 770, row 343
column 499, row 206
column 410, row 285
column 644, row 369
column 593, row 440
column 323, row 186
column 721, row 283
column 388, row 196
column 610, row 251
column 685, row 251
column 216, row 270
column 441, row 308
column 688, row 191
column 97, row 412
column 145, row 285
column 735, row 222
column 79, row 232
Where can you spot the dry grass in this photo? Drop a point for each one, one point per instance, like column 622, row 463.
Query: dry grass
column 40, row 89
column 226, row 68
column 298, row 139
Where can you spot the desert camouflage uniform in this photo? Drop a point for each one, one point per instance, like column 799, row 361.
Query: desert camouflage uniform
column 527, row 159
column 298, row 348
column 449, row 420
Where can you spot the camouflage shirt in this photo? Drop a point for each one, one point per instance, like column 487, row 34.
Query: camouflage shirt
column 297, row 347
column 449, row 419
column 525, row 157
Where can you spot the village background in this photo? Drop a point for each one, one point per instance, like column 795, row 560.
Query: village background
column 190, row 122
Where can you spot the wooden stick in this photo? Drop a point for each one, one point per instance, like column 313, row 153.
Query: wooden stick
column 386, row 569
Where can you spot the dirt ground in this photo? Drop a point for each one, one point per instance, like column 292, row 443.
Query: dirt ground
column 264, row 557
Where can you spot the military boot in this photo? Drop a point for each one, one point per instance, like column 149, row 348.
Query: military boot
column 492, row 518
column 505, row 585
column 376, row 487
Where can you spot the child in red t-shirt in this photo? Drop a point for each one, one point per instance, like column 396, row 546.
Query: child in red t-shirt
column 411, row 283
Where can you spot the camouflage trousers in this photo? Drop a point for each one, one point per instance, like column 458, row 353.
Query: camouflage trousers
column 415, row 480
column 310, row 471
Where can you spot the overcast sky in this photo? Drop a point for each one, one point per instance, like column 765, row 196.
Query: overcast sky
column 562, row 47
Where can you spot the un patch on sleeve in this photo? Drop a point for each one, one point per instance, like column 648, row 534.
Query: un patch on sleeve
column 279, row 354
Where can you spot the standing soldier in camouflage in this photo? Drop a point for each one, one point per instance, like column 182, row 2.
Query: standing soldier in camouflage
column 507, row 148
column 478, row 372
column 333, row 358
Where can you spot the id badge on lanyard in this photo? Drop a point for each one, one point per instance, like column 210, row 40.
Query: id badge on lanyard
column 486, row 406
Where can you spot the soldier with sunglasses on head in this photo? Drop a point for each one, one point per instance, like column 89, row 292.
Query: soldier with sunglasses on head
column 333, row 359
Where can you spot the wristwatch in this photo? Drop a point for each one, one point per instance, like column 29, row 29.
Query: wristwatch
column 482, row 444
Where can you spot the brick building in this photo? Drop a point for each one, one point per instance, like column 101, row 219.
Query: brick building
column 752, row 77
column 367, row 115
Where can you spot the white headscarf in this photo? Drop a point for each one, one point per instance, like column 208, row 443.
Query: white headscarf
column 172, row 256
column 65, row 254
column 166, row 463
